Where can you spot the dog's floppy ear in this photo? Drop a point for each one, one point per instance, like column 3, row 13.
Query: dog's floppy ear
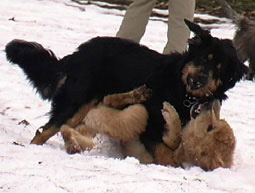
column 201, row 34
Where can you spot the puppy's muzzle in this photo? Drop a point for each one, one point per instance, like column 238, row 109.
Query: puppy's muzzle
column 197, row 108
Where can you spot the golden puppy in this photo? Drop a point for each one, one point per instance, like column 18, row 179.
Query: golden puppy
column 206, row 141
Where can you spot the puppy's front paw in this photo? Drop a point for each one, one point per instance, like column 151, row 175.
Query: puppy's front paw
column 169, row 113
column 171, row 136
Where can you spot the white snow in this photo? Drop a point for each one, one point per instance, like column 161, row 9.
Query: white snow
column 48, row 168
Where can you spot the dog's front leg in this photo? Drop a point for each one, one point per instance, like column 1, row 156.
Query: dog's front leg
column 44, row 133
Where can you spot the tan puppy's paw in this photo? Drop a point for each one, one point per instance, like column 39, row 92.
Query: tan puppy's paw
column 170, row 115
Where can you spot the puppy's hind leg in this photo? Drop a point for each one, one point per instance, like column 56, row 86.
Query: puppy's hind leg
column 121, row 124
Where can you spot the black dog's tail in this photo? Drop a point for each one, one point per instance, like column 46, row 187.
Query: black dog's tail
column 241, row 22
column 39, row 64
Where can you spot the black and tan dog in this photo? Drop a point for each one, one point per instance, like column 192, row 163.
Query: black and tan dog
column 107, row 65
column 244, row 39
column 206, row 141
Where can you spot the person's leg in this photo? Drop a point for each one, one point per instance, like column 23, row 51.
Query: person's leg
column 178, row 33
column 135, row 20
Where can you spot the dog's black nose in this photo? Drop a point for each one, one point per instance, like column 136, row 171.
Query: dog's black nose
column 197, row 81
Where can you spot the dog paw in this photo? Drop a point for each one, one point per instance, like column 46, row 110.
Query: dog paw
column 43, row 134
column 141, row 94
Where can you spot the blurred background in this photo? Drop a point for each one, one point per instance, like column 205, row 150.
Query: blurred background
column 212, row 7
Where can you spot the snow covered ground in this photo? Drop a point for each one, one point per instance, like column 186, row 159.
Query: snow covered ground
column 48, row 168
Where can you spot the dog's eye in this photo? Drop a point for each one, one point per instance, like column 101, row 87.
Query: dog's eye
column 210, row 128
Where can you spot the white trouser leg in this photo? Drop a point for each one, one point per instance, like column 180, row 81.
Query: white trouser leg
column 178, row 33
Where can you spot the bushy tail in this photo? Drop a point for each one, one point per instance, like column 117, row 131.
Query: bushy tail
column 39, row 64
column 240, row 21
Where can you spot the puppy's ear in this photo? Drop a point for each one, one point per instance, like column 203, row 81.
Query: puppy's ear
column 216, row 109
column 200, row 34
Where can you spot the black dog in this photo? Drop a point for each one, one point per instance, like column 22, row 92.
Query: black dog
column 106, row 65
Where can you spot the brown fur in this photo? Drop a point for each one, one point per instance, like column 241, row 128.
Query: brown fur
column 244, row 39
column 165, row 156
column 121, row 124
